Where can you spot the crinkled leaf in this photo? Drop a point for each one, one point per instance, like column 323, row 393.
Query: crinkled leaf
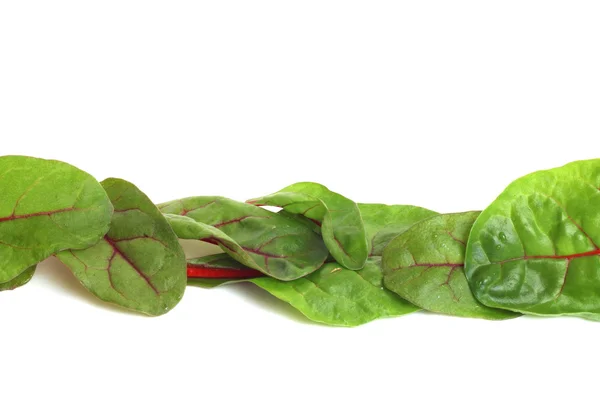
column 20, row 280
column 384, row 222
column 424, row 265
column 342, row 226
column 535, row 249
column 46, row 206
column 139, row 264
column 271, row 243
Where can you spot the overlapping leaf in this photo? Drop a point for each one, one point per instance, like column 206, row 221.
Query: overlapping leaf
column 535, row 249
column 46, row 206
column 335, row 295
column 280, row 247
column 20, row 280
column 342, row 227
column 139, row 264
column 384, row 222
column 425, row 265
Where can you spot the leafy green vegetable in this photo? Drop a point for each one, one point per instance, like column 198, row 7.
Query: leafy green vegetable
column 46, row 206
column 348, row 297
column 424, row 265
column 341, row 223
column 337, row 296
column 19, row 280
column 332, row 295
column 278, row 246
column 383, row 222
column 535, row 248
column 139, row 264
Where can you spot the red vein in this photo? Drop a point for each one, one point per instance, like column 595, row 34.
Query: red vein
column 262, row 253
column 185, row 211
column 456, row 239
column 236, row 220
column 555, row 257
column 130, row 262
column 13, row 217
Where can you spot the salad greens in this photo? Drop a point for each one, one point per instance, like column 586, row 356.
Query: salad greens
column 534, row 250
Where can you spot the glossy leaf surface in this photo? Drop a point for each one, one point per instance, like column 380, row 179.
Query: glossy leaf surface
column 342, row 226
column 278, row 246
column 535, row 249
column 139, row 264
column 425, row 265
column 20, row 280
column 46, row 206
column 384, row 222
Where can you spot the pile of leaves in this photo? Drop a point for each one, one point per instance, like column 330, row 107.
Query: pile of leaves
column 534, row 250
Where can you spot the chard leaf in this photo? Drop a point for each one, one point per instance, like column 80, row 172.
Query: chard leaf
column 384, row 222
column 351, row 297
column 424, row 265
column 271, row 243
column 337, row 296
column 333, row 295
column 46, row 206
column 139, row 264
column 342, row 226
column 20, row 280
column 535, row 249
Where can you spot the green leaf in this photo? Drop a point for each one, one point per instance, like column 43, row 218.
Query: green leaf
column 337, row 296
column 139, row 264
column 271, row 243
column 384, row 222
column 424, row 265
column 20, row 280
column 535, row 248
column 342, row 226
column 47, row 206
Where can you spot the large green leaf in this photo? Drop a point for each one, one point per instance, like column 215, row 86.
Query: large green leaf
column 535, row 248
column 332, row 295
column 424, row 265
column 384, row 222
column 272, row 243
column 46, row 206
column 341, row 223
column 20, row 280
column 337, row 296
column 139, row 264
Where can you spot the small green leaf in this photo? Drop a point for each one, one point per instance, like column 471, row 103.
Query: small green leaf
column 271, row 243
column 384, row 222
column 424, row 265
column 20, row 280
column 535, row 249
column 341, row 223
column 139, row 264
column 46, row 206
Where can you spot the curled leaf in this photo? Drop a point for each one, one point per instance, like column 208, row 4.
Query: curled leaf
column 271, row 243
column 342, row 226
column 535, row 249
column 139, row 264
column 20, row 280
column 424, row 265
column 46, row 206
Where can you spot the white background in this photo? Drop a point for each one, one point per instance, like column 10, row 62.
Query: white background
column 438, row 104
